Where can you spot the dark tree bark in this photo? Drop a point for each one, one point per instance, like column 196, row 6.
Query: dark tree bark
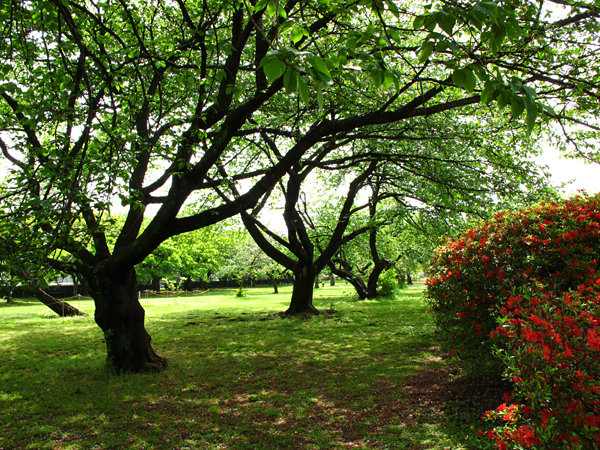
column 187, row 284
column 379, row 264
column 121, row 317
column 401, row 277
column 305, row 267
column 317, row 282
column 345, row 272
column 84, row 287
column 62, row 308
column 331, row 278
column 302, row 294
column 75, row 284
column 408, row 278
column 156, row 284
column 274, row 283
column 379, row 267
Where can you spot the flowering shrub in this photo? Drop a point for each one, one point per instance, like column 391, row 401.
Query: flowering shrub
column 524, row 287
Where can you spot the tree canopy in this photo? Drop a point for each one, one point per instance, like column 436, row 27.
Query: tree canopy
column 153, row 102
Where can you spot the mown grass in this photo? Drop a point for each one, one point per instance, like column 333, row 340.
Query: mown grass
column 367, row 374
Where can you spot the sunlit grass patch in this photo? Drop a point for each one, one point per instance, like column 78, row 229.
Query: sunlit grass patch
column 240, row 377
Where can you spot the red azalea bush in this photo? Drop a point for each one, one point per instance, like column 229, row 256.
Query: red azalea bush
column 524, row 287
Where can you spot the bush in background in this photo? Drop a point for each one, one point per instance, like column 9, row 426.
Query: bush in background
column 524, row 287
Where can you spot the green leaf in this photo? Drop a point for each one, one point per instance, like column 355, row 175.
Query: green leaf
column 297, row 35
column 480, row 71
column 517, row 106
column 418, row 22
column 530, row 92
column 378, row 77
column 426, row 51
column 459, row 78
column 393, row 7
column 260, row 5
column 471, row 80
column 274, row 68
column 441, row 46
column 490, row 91
column 446, row 21
column 515, row 29
column 320, row 95
column 290, row 80
column 477, row 18
column 303, row 90
column 515, row 85
column 320, row 66
column 388, row 79
column 431, row 22
column 504, row 97
column 532, row 113
column 549, row 109
column 395, row 36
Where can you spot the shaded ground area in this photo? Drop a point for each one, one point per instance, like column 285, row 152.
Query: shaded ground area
column 364, row 375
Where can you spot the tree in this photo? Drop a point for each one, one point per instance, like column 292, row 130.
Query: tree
column 304, row 262
column 32, row 276
column 147, row 101
column 247, row 262
column 194, row 255
column 341, row 266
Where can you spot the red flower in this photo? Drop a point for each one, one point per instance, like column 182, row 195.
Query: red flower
column 593, row 339
column 527, row 436
column 592, row 421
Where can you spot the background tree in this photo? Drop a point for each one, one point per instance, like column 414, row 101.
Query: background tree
column 28, row 273
column 302, row 259
column 147, row 101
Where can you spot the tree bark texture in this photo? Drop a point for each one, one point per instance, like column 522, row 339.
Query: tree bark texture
column 302, row 294
column 62, row 308
column 121, row 317
column 345, row 272
column 380, row 266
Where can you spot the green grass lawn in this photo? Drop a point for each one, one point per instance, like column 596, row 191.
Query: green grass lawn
column 366, row 374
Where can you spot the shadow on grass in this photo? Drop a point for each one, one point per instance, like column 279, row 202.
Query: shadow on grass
column 368, row 376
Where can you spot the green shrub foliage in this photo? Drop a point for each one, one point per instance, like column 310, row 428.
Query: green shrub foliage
column 524, row 287
column 388, row 284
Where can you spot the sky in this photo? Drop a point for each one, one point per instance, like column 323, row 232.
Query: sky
column 584, row 176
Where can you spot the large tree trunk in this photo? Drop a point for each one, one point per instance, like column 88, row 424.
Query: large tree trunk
column 62, row 308
column 331, row 278
column 121, row 317
column 187, row 284
column 302, row 294
column 380, row 266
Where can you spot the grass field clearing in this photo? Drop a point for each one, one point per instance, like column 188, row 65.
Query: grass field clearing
column 366, row 374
